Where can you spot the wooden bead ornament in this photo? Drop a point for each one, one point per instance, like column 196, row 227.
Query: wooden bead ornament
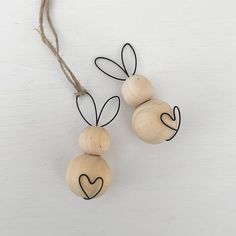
column 88, row 175
column 154, row 121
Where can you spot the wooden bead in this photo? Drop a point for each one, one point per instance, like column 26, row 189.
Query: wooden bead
column 94, row 140
column 88, row 176
column 146, row 122
column 136, row 90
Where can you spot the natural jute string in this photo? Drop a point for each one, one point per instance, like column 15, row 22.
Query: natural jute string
column 45, row 10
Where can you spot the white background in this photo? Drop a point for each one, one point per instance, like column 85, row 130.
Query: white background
column 186, row 187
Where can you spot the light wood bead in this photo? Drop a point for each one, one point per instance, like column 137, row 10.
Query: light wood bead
column 136, row 90
column 93, row 167
column 146, row 122
column 94, row 140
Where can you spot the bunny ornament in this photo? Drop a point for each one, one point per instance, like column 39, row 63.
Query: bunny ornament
column 88, row 175
column 154, row 121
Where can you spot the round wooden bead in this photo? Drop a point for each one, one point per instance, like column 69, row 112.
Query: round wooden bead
column 136, row 90
column 94, row 140
column 147, row 124
column 88, row 176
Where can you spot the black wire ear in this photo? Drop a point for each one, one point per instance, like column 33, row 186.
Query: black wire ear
column 95, row 109
column 128, row 45
column 111, row 62
column 117, row 111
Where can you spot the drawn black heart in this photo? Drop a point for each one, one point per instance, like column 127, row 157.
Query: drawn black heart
column 173, row 119
column 92, row 183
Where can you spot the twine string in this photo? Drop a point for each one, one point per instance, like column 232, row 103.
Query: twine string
column 45, row 10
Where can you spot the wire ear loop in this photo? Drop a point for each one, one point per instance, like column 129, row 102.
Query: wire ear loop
column 135, row 58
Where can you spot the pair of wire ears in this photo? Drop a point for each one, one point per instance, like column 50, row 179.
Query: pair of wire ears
column 103, row 62
column 98, row 115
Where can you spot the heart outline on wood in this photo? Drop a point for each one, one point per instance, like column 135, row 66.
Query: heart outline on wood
column 92, row 183
column 173, row 119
